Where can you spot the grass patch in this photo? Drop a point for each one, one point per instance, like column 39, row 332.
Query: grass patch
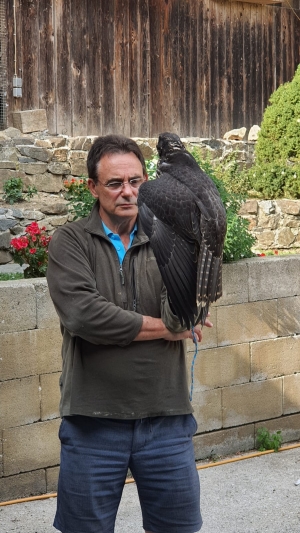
column 9, row 276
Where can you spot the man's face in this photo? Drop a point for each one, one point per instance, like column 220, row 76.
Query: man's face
column 118, row 203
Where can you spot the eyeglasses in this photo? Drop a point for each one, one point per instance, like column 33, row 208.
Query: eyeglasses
column 119, row 185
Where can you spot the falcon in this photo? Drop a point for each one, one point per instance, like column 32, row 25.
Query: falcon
column 184, row 218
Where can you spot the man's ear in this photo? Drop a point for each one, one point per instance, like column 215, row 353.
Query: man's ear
column 92, row 187
column 146, row 177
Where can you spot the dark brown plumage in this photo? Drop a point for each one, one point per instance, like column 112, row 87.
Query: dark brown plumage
column 183, row 216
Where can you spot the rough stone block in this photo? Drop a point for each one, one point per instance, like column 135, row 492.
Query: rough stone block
column 33, row 215
column 19, row 401
column 18, row 306
column 288, row 425
column 43, row 143
column 273, row 277
column 5, row 238
column 222, row 367
column 76, row 143
column 59, row 208
column 20, row 455
column 5, row 257
column 7, row 223
column 57, row 142
column 291, row 394
column 8, row 164
column 33, row 168
column 265, row 239
column 8, row 153
column 22, row 486
column 250, row 207
column 7, row 174
column 273, row 358
column 59, row 168
column 50, row 396
column 31, row 120
column 57, row 220
column 238, row 324
column 36, row 152
column 60, row 154
column 208, row 409
column 235, row 283
column 288, row 315
column 52, row 478
column 77, row 160
column 28, row 353
column 45, row 182
column 224, row 442
column 250, row 402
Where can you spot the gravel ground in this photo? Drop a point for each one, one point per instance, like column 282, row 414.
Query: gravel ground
column 257, row 495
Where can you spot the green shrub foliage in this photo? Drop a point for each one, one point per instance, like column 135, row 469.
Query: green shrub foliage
column 276, row 172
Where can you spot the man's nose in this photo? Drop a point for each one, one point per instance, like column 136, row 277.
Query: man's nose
column 126, row 189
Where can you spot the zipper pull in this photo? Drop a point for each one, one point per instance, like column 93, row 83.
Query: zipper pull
column 122, row 275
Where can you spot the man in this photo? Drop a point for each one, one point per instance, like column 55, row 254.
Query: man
column 124, row 395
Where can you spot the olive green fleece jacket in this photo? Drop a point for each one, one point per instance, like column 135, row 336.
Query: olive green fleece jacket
column 100, row 305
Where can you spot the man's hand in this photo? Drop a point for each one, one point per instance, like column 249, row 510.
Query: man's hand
column 154, row 328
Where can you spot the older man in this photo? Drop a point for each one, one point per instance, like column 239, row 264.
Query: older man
column 124, row 394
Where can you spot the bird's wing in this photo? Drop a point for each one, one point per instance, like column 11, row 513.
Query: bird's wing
column 176, row 255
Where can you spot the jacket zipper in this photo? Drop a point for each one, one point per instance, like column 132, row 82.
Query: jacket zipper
column 122, row 275
column 133, row 285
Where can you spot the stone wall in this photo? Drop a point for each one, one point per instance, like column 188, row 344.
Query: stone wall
column 47, row 161
column 247, row 374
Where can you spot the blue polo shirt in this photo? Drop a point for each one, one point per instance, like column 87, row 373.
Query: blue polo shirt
column 116, row 241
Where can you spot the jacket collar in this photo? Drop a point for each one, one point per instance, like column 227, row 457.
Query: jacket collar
column 93, row 225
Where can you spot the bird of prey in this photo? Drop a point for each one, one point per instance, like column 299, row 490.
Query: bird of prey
column 183, row 215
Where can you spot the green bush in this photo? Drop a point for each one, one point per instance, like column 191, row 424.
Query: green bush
column 267, row 441
column 79, row 196
column 276, row 172
column 238, row 241
column 13, row 191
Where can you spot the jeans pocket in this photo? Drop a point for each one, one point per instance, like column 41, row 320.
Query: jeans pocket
column 195, row 424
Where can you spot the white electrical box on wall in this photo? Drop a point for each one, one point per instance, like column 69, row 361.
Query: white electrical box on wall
column 17, row 87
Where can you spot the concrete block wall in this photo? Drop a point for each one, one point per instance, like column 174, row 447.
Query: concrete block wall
column 247, row 374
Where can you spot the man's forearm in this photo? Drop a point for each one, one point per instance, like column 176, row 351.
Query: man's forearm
column 154, row 328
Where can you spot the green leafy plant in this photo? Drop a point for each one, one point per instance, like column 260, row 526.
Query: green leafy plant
column 267, row 441
column 7, row 276
column 79, row 196
column 276, row 172
column 13, row 191
column 151, row 165
column 238, row 241
column 32, row 249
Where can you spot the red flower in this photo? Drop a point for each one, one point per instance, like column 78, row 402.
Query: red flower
column 262, row 255
column 276, row 252
column 32, row 250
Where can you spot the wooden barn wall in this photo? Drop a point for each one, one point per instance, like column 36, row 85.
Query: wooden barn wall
column 139, row 67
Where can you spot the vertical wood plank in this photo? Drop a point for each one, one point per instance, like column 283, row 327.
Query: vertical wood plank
column 247, row 66
column 215, row 74
column 30, row 54
column 93, row 70
column 278, row 47
column 259, row 71
column 123, row 67
column 237, row 64
column 144, row 68
column 155, row 14
column 63, row 67
column 206, row 124
column 192, row 53
column 134, row 70
column 78, row 65
column 107, row 18
column 46, row 78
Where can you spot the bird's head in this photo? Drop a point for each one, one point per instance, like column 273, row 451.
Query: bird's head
column 168, row 143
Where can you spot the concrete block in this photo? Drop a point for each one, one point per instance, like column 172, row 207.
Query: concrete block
column 33, row 168
column 19, row 401
column 288, row 425
column 273, row 277
column 20, row 455
column 224, row 442
column 46, row 314
column 31, row 120
column 28, row 353
column 1, row 455
column 46, row 182
column 250, row 402
column 242, row 323
column 207, row 410
column 18, row 306
column 209, row 334
column 22, row 486
column 273, row 358
column 222, row 367
column 291, row 394
column 234, row 283
column 50, row 396
column 52, row 478
column 288, row 310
